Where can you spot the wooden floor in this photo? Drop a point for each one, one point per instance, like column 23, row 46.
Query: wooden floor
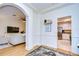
column 18, row 50
column 67, row 52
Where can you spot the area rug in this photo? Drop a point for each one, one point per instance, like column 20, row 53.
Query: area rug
column 43, row 51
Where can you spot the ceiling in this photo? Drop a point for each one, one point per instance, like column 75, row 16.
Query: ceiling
column 44, row 7
column 11, row 11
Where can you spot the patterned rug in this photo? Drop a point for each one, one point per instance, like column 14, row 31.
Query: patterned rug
column 43, row 51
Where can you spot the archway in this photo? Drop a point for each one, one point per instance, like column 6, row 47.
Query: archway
column 22, row 8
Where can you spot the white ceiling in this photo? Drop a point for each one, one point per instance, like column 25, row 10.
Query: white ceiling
column 44, row 7
column 41, row 6
column 11, row 11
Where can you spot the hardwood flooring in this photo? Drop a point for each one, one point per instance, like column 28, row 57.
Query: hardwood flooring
column 18, row 50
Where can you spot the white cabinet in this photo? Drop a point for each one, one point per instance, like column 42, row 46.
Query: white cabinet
column 16, row 39
column 66, row 36
column 3, row 40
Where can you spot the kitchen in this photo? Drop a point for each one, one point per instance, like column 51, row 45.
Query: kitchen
column 64, row 33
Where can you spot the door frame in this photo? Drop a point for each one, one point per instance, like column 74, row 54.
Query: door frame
column 60, row 18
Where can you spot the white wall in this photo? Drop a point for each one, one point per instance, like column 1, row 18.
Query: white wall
column 36, row 30
column 50, row 38
column 29, row 25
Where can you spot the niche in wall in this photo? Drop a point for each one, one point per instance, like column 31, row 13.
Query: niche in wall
column 47, row 24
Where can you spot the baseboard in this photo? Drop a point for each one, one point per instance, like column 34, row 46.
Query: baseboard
column 17, row 44
column 3, row 43
column 68, row 52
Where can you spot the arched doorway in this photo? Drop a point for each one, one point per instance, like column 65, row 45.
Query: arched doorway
column 27, row 17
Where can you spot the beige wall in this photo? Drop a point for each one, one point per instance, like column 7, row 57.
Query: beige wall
column 7, row 19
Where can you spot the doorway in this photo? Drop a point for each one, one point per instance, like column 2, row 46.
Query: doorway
column 12, row 25
column 64, row 33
